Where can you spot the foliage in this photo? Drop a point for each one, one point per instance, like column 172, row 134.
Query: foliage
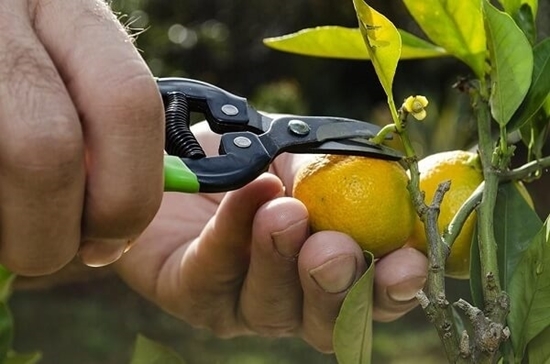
column 509, row 89
column 353, row 332
column 347, row 43
column 7, row 355
column 530, row 291
column 149, row 352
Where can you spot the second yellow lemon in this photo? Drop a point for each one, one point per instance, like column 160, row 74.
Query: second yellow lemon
column 464, row 171
column 365, row 198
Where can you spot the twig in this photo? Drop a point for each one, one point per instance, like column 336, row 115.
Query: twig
column 455, row 226
column 488, row 335
column 438, row 250
column 433, row 300
column 525, row 170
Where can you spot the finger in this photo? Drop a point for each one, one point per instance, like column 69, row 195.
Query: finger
column 398, row 277
column 271, row 297
column 121, row 114
column 201, row 283
column 41, row 153
column 329, row 263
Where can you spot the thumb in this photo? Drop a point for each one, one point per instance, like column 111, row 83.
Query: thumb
column 399, row 276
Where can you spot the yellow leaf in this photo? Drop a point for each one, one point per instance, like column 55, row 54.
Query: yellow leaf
column 383, row 43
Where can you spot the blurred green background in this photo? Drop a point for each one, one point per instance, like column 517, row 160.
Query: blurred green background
column 220, row 41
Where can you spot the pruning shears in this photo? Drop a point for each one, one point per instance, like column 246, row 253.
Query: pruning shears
column 250, row 140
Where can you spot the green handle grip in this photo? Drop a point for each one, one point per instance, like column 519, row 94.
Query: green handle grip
column 178, row 177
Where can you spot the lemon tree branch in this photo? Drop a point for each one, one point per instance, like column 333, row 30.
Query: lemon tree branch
column 487, row 243
column 496, row 301
column 433, row 298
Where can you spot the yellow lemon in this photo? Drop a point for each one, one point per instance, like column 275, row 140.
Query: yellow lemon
column 365, row 198
column 464, row 171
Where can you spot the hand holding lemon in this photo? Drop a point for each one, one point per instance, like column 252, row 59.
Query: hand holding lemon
column 368, row 199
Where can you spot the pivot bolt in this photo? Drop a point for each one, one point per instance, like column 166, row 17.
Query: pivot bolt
column 230, row 110
column 298, row 127
column 242, row 142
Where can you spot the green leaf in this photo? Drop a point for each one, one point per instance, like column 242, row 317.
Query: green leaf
column 346, row 43
column 538, row 350
column 515, row 225
column 149, row 352
column 526, row 22
column 16, row 358
column 457, row 26
column 540, row 86
column 6, row 280
column 6, row 331
column 546, row 106
column 529, row 292
column 383, row 43
column 511, row 63
column 535, row 133
column 352, row 337
column 512, row 7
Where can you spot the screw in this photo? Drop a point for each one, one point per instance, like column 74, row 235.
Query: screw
column 242, row 142
column 230, row 110
column 298, row 127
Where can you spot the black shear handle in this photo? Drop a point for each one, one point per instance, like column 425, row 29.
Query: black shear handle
column 220, row 107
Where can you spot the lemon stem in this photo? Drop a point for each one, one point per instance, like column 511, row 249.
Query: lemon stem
column 381, row 136
column 397, row 120
column 396, row 127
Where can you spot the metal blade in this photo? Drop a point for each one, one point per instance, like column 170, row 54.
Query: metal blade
column 357, row 146
column 347, row 128
column 325, row 135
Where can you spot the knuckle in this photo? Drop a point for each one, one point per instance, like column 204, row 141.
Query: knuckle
column 322, row 346
column 274, row 329
column 50, row 150
column 135, row 98
column 120, row 214
column 283, row 323
column 221, row 329
column 25, row 73
column 34, row 264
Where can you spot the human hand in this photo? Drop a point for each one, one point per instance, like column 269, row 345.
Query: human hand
column 81, row 122
column 244, row 263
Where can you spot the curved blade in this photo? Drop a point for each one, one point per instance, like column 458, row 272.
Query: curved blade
column 357, row 146
column 325, row 135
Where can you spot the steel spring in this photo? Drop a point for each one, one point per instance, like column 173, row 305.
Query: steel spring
column 180, row 141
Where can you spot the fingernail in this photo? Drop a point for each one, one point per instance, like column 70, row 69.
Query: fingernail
column 336, row 275
column 407, row 290
column 287, row 242
column 102, row 253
